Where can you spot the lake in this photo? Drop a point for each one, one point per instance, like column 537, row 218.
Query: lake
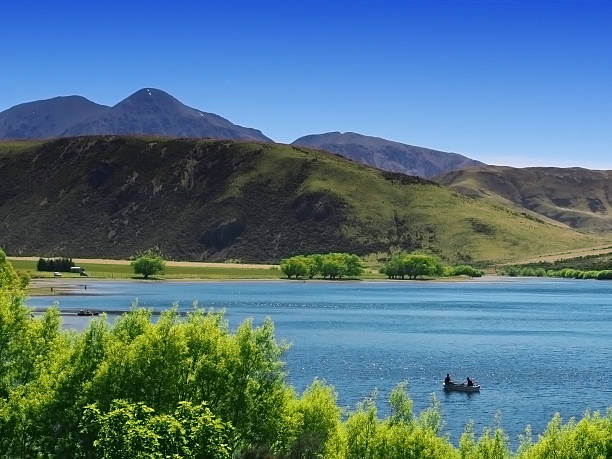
column 536, row 346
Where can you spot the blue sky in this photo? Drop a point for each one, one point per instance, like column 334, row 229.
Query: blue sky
column 506, row 82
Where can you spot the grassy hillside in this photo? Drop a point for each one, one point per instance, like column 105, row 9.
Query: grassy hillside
column 212, row 200
column 17, row 146
column 579, row 198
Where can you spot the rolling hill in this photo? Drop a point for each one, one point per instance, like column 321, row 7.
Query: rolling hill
column 579, row 198
column 146, row 112
column 388, row 155
column 212, row 200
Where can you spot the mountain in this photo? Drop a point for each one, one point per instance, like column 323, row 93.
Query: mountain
column 110, row 196
column 146, row 112
column 154, row 112
column 388, row 155
column 579, row 198
column 46, row 118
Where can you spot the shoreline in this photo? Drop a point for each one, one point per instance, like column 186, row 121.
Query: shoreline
column 58, row 287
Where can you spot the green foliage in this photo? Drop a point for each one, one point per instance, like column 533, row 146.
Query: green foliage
column 465, row 270
column 54, row 264
column 131, row 430
column 401, row 405
column 589, row 438
column 399, row 436
column 13, row 325
column 568, row 273
column 330, row 265
column 122, row 390
column 24, row 279
column 296, row 266
column 148, row 263
column 317, row 419
column 412, row 265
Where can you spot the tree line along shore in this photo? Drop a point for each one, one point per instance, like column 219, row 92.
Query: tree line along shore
column 330, row 266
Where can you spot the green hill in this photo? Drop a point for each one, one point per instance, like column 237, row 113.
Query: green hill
column 579, row 198
column 210, row 200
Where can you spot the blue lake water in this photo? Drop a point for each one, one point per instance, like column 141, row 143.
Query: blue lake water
column 536, row 346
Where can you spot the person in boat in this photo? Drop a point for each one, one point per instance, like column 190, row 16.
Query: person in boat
column 447, row 380
column 469, row 382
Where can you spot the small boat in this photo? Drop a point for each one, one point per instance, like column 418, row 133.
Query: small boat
column 87, row 312
column 452, row 387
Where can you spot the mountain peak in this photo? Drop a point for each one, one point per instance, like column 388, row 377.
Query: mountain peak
column 150, row 96
column 148, row 111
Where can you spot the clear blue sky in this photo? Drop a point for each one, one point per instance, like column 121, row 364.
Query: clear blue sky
column 507, row 82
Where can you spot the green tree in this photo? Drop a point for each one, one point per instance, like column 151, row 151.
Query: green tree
column 413, row 266
column 354, row 268
column 314, row 263
column 330, row 265
column 296, row 266
column 149, row 263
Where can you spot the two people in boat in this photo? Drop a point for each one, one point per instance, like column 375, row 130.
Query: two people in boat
column 448, row 380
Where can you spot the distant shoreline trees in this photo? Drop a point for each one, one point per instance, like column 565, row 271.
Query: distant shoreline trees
column 567, row 273
column 328, row 266
column 415, row 265
column 412, row 266
column 55, row 264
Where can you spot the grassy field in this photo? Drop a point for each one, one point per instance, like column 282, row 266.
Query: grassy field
column 113, row 270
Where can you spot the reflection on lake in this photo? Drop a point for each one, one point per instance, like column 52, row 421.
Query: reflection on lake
column 535, row 345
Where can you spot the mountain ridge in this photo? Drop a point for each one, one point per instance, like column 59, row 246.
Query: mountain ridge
column 387, row 154
column 148, row 111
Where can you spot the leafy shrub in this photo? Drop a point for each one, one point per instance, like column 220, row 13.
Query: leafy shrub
column 465, row 270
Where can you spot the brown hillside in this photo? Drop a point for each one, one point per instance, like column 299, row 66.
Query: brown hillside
column 579, row 198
